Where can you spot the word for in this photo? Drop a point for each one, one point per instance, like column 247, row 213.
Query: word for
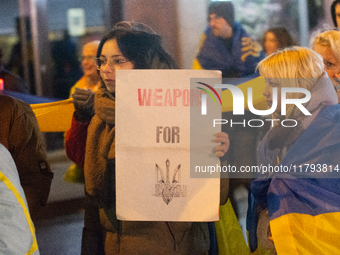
column 169, row 134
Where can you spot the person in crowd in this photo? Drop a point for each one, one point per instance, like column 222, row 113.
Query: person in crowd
column 20, row 60
column 9, row 80
column 327, row 44
column 90, row 81
column 20, row 134
column 276, row 38
column 335, row 11
column 302, row 204
column 226, row 46
column 91, row 78
column 67, row 70
column 128, row 46
column 17, row 230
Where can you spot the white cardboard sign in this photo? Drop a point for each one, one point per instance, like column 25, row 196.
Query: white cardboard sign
column 153, row 147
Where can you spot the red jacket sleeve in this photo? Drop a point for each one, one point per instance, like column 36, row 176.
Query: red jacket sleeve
column 75, row 141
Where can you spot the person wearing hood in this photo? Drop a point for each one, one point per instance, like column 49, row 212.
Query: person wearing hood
column 91, row 143
column 302, row 200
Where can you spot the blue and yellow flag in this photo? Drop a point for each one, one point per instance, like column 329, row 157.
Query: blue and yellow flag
column 304, row 203
column 54, row 116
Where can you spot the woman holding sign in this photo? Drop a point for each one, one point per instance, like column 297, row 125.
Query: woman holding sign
column 300, row 194
column 128, row 46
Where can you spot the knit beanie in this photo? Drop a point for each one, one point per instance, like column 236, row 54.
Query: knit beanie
column 224, row 10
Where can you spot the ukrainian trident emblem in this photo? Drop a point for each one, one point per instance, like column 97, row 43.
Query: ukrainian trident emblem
column 169, row 189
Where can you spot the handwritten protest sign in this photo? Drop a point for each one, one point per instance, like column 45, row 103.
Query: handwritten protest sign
column 155, row 140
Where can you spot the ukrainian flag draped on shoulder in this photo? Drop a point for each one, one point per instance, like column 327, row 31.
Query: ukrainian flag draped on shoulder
column 304, row 202
column 17, row 230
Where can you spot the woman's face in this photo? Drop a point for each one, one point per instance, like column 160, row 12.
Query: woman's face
column 112, row 59
column 87, row 63
column 271, row 44
column 332, row 64
column 337, row 15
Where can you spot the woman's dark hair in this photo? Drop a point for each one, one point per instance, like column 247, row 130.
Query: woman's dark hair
column 140, row 45
column 282, row 36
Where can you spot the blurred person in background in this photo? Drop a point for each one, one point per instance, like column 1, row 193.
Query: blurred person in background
column 275, row 39
column 91, row 77
column 90, row 81
column 226, row 46
column 335, row 11
column 67, row 70
column 9, row 80
column 23, row 51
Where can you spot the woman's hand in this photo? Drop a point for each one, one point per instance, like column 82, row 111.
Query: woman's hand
column 83, row 101
column 222, row 149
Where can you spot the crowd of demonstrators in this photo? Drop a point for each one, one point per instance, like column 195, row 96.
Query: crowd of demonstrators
column 276, row 38
column 314, row 140
column 20, row 134
column 85, row 87
column 327, row 44
column 108, row 235
column 225, row 46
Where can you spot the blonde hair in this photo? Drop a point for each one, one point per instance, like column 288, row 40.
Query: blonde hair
column 330, row 39
column 92, row 44
column 298, row 63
